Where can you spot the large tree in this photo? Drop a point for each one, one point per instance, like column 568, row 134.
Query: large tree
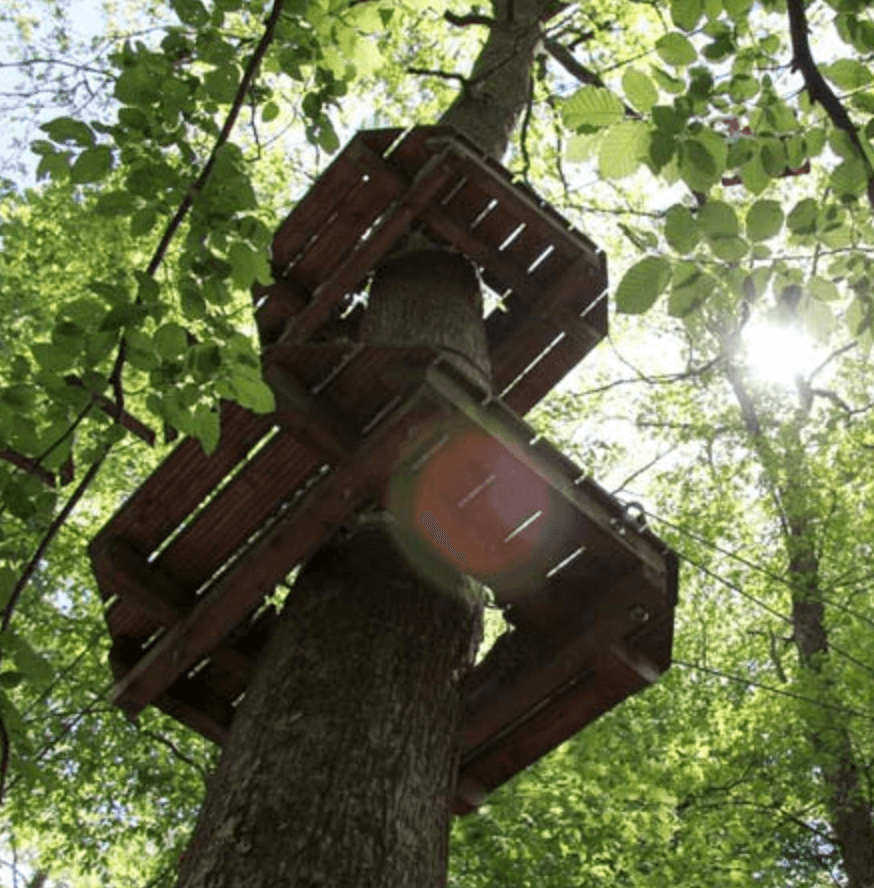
column 685, row 118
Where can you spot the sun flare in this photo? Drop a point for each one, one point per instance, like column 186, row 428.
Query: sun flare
column 777, row 353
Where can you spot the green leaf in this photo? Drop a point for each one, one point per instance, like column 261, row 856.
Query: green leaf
column 191, row 12
column 143, row 222
column 753, row 175
column 56, row 166
column 623, row 149
column 640, row 91
column 823, row 289
column 584, row 146
column 248, row 265
column 92, row 165
column 773, row 154
column 686, row 13
column 676, row 49
column 170, row 340
column 738, row 9
column 848, row 74
column 148, row 289
column 802, row 217
column 730, row 248
column 221, row 83
column 819, row 319
column 11, row 679
column 717, row 219
column 35, row 668
column 53, row 358
column 66, row 129
column 690, row 289
column 667, row 82
column 698, row 167
column 252, row 392
column 592, row 107
column 642, row 284
column 681, row 229
column 269, row 112
column 849, row 177
column 115, row 203
column 764, row 219
column 207, row 429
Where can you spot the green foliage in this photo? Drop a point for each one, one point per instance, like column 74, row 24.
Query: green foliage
column 680, row 170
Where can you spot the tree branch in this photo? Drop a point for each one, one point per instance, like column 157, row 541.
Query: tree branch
column 817, row 87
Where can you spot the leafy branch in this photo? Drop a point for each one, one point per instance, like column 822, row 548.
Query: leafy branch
column 819, row 90
column 115, row 377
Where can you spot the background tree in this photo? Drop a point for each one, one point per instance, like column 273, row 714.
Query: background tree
column 752, row 759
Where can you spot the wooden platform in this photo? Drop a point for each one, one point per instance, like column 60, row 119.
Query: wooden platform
column 550, row 278
column 186, row 564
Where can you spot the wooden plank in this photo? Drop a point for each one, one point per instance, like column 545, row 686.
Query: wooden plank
column 358, row 213
column 496, row 419
column 182, row 481
column 571, row 709
column 497, row 709
column 193, row 716
column 351, row 270
column 239, row 510
column 160, row 595
column 255, row 575
column 319, row 204
column 574, row 287
column 527, row 205
column 313, row 421
column 526, row 391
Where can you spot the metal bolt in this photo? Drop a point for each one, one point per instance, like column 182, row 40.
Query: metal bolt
column 638, row 614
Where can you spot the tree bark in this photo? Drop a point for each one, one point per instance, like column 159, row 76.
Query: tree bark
column 845, row 800
column 343, row 757
column 789, row 477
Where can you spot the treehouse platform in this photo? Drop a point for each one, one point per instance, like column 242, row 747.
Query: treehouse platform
column 187, row 565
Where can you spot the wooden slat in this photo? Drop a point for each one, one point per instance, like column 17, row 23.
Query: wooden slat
column 183, row 480
column 238, row 511
column 358, row 213
column 321, row 202
column 576, row 706
column 526, row 205
column 287, row 542
column 366, row 254
column 542, row 377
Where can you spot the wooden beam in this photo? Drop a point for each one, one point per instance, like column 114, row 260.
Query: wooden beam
column 433, row 176
column 307, row 418
column 582, row 700
column 498, row 421
column 254, row 575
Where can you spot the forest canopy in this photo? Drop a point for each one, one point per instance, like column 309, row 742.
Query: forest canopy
column 718, row 150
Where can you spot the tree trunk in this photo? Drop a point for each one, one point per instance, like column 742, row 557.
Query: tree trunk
column 829, row 737
column 789, row 477
column 343, row 757
column 342, row 760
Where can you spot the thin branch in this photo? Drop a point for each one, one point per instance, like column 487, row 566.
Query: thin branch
column 817, row 87
column 50, row 534
column 155, row 262
column 636, row 474
column 177, row 752
column 442, row 75
column 465, row 21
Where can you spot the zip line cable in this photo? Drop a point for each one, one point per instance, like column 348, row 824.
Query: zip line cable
column 847, row 710
column 773, row 611
column 758, row 568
